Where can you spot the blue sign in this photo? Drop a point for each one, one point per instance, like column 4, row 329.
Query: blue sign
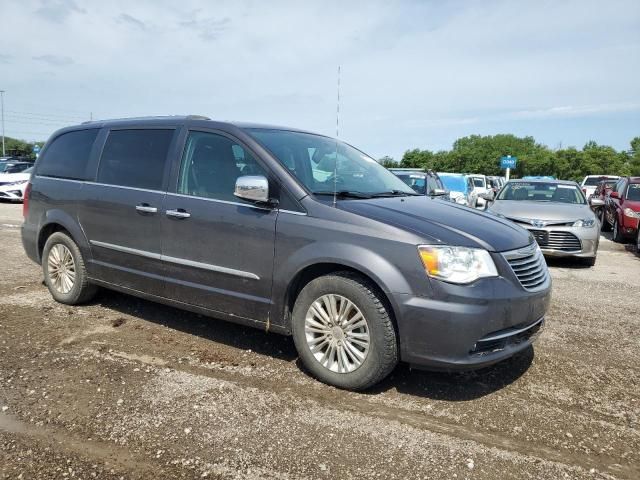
column 508, row 162
column 36, row 149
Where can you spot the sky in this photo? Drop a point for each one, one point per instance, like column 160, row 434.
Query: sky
column 414, row 74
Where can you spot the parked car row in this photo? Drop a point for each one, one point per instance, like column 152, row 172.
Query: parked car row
column 555, row 212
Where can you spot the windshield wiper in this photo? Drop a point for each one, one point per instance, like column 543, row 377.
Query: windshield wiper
column 395, row 193
column 345, row 194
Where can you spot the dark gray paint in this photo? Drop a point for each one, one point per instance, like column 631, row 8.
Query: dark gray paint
column 180, row 259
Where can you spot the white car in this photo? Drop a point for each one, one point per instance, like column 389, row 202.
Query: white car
column 12, row 185
column 590, row 183
column 479, row 187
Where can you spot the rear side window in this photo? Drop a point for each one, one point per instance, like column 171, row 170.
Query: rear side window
column 135, row 158
column 68, row 155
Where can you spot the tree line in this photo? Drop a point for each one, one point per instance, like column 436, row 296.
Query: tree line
column 481, row 154
column 19, row 148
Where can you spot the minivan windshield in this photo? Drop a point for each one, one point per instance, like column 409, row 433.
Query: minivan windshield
column 325, row 165
column 542, row 192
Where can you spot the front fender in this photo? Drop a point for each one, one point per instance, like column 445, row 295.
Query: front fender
column 386, row 275
column 392, row 278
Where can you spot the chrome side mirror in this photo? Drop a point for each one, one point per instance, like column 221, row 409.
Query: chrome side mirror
column 437, row 192
column 252, row 188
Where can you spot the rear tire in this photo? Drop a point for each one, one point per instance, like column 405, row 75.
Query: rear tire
column 64, row 271
column 332, row 350
column 638, row 240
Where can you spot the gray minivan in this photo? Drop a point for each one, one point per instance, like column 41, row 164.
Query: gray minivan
column 288, row 231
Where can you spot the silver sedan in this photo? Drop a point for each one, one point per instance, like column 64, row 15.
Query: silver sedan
column 555, row 212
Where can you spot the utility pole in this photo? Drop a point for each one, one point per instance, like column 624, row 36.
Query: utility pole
column 2, row 108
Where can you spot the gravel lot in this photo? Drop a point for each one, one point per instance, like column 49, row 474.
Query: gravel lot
column 124, row 388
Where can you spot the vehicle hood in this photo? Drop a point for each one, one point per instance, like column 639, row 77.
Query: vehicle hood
column 443, row 222
column 548, row 211
column 14, row 177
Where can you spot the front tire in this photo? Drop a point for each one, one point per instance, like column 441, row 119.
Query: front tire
column 64, row 270
column 617, row 234
column 343, row 332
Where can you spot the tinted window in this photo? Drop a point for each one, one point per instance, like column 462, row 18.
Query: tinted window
column 634, row 192
column 68, row 155
column 211, row 164
column 415, row 181
column 135, row 158
column 591, row 181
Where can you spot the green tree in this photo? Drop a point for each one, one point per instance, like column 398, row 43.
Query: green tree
column 19, row 148
column 417, row 159
column 634, row 157
column 387, row 162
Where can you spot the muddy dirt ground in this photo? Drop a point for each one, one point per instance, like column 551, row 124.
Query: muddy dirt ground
column 124, row 388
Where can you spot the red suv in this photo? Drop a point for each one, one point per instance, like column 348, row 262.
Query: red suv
column 622, row 209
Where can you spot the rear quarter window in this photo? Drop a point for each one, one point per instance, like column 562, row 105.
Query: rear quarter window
column 68, row 155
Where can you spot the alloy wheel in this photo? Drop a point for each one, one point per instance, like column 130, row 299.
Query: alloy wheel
column 337, row 333
column 61, row 268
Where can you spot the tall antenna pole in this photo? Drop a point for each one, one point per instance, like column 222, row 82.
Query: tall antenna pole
column 335, row 165
column 2, row 108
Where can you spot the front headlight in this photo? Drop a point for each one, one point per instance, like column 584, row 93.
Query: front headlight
column 586, row 222
column 457, row 264
column 630, row 213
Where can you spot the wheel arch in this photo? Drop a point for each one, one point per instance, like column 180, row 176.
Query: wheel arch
column 320, row 269
column 59, row 221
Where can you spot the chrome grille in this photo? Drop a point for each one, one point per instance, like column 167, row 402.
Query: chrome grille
column 529, row 266
column 565, row 241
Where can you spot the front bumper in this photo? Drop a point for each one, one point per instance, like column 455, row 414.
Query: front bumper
column 565, row 241
column 470, row 326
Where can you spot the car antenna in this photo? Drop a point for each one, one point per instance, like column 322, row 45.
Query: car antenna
column 335, row 165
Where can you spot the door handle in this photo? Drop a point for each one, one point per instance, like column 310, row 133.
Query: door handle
column 179, row 213
column 146, row 208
